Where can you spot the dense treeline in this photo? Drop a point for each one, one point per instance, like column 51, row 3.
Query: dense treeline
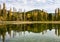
column 34, row 15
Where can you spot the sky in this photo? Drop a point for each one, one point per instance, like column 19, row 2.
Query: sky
column 47, row 5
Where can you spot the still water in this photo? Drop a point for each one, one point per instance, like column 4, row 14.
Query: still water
column 30, row 33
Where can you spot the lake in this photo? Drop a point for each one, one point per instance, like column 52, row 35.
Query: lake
column 30, row 33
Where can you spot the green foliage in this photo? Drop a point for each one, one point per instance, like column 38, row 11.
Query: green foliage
column 34, row 15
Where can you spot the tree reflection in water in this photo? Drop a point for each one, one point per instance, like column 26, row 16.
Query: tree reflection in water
column 35, row 28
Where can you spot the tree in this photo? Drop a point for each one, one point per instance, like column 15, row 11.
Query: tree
column 50, row 17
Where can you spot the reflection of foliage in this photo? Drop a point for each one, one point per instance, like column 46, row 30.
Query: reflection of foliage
column 36, row 28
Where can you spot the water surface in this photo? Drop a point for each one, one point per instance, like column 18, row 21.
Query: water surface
column 30, row 33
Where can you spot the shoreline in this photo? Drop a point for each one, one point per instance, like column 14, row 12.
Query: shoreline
column 29, row 22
